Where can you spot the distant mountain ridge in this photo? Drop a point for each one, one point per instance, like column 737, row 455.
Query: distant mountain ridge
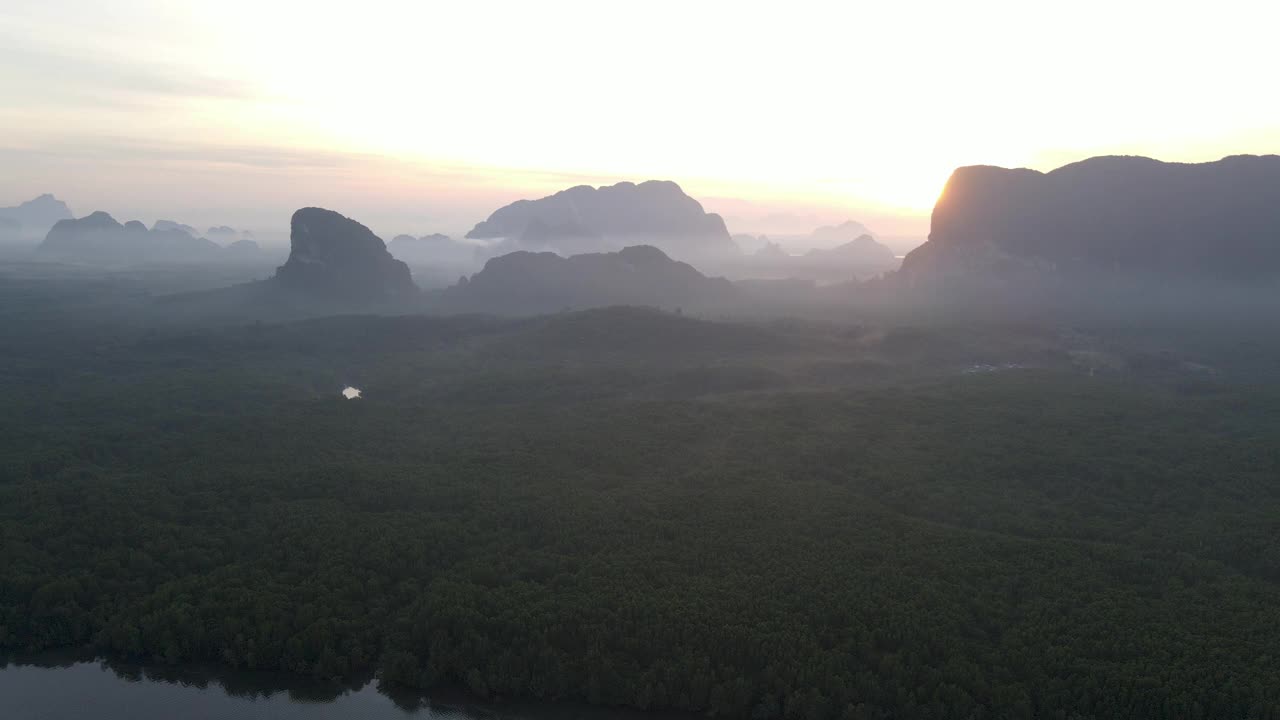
column 525, row 282
column 1106, row 215
column 837, row 253
column 34, row 218
column 163, row 225
column 608, row 218
column 862, row 250
column 98, row 239
column 434, row 248
column 831, row 235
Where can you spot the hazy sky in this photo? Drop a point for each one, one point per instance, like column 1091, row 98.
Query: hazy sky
column 424, row 116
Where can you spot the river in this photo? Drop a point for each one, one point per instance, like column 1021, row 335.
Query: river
column 64, row 686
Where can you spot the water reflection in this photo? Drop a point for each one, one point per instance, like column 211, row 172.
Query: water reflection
column 57, row 685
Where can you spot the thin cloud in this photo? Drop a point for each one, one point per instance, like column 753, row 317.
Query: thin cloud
column 109, row 79
column 108, row 148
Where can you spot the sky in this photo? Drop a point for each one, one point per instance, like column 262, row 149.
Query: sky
column 425, row 116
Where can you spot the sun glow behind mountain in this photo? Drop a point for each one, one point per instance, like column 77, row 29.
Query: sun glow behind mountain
column 838, row 107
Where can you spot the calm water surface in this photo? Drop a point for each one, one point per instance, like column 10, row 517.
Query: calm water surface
column 62, row 687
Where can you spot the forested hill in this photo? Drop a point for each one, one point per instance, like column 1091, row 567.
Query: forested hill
column 782, row 520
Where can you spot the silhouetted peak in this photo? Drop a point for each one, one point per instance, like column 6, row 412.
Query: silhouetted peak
column 321, row 235
column 46, row 202
column 430, row 239
column 524, row 282
column 661, row 187
column 170, row 225
column 520, row 259
column 607, row 218
column 335, row 256
column 772, row 250
column 436, row 255
column 96, row 219
column 643, row 255
column 859, row 242
column 836, row 234
column 1113, row 214
column 35, row 217
column 244, row 246
column 862, row 249
column 98, row 239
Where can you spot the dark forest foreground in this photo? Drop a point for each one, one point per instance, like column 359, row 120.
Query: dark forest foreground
column 875, row 518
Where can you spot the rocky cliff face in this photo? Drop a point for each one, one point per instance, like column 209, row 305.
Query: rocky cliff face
column 587, row 219
column 526, row 282
column 333, row 256
column 1114, row 215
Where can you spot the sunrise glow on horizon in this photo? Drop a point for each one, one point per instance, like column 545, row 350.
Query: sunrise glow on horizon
column 434, row 113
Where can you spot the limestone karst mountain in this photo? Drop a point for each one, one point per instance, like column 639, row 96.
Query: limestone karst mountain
column 98, row 239
column 588, row 219
column 33, row 219
column 333, row 256
column 1216, row 221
